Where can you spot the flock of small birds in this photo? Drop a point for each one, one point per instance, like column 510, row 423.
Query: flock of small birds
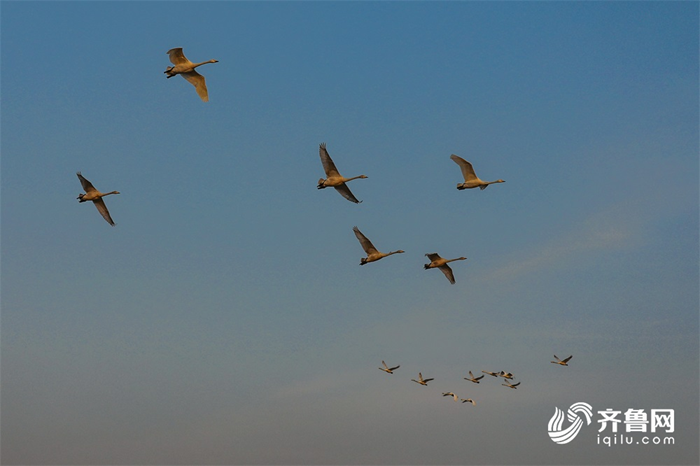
column 185, row 68
column 507, row 377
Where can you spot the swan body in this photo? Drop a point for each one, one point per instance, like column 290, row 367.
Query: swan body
column 421, row 380
column 509, row 385
column 186, row 69
column 470, row 178
column 505, row 375
column 438, row 262
column 92, row 194
column 387, row 369
column 472, row 378
column 334, row 178
column 372, row 253
column 455, row 397
column 468, row 400
column 492, row 374
column 561, row 362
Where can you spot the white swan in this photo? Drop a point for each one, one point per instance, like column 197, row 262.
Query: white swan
column 470, row 178
column 509, row 385
column 456, row 398
column 468, row 400
column 492, row 374
column 506, row 375
column 438, row 262
column 372, row 253
column 421, row 380
column 387, row 369
column 561, row 362
column 333, row 177
column 92, row 194
column 186, row 69
column 472, row 378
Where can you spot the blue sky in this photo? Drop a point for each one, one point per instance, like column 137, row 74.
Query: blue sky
column 225, row 319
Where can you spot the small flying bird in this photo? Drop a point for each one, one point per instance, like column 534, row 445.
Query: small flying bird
column 372, row 253
column 438, row 262
column 472, row 378
column 468, row 400
column 333, row 177
column 509, row 385
column 561, row 362
column 186, row 69
column 92, row 194
column 387, row 369
column 493, row 374
column 470, row 178
column 421, row 380
column 456, row 398
column 506, row 375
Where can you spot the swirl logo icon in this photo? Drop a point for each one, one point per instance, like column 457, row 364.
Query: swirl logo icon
column 562, row 436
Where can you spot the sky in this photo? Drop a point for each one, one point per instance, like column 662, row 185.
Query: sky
column 225, row 319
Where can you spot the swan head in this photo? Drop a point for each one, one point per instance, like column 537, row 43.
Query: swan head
column 362, row 176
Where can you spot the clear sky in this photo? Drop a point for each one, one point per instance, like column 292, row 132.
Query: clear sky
column 225, row 319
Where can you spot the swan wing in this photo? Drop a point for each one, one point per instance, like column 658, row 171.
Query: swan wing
column 466, row 167
column 394, row 368
column 448, row 273
column 328, row 165
column 197, row 80
column 427, row 380
column 364, row 242
column 433, row 256
column 346, row 193
column 567, row 359
column 384, row 364
column 87, row 186
column 177, row 57
column 102, row 208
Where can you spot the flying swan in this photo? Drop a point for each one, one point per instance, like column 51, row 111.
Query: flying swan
column 472, row 378
column 186, row 69
column 470, row 178
column 561, row 362
column 333, row 177
column 438, row 262
column 387, row 369
column 92, row 194
column 509, row 385
column 372, row 253
column 421, row 380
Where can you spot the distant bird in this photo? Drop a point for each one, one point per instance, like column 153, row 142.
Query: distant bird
column 387, row 369
column 456, row 398
column 493, row 374
column 561, row 362
column 372, row 253
column 92, row 194
column 421, row 380
column 509, row 385
column 438, row 262
column 333, row 177
column 470, row 178
column 186, row 69
column 506, row 375
column 468, row 400
column 472, row 378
